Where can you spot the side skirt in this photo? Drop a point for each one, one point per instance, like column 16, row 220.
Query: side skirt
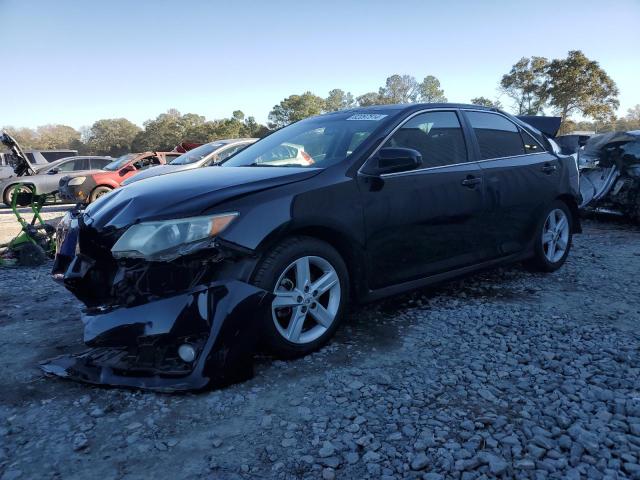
column 373, row 295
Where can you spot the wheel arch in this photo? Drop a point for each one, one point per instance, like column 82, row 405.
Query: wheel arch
column 347, row 247
column 571, row 202
column 12, row 185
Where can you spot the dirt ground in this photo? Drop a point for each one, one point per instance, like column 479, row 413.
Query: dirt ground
column 505, row 374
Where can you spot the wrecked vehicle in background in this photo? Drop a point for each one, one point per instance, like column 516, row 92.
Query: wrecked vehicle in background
column 202, row 156
column 87, row 188
column 40, row 177
column 185, row 275
column 609, row 166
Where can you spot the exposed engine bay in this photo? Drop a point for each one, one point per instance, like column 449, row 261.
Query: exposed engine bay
column 610, row 174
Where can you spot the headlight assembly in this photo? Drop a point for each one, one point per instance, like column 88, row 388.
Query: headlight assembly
column 76, row 181
column 169, row 239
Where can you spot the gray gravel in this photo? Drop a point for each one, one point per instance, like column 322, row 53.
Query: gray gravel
column 504, row 374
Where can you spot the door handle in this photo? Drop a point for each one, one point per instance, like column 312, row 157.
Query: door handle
column 471, row 181
column 549, row 168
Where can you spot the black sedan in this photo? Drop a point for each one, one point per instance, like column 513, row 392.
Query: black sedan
column 185, row 275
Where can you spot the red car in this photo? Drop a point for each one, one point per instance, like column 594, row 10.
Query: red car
column 87, row 188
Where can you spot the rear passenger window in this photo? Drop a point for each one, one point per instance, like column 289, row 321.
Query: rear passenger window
column 497, row 136
column 436, row 135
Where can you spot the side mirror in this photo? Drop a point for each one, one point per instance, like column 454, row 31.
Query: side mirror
column 396, row 159
column 53, row 171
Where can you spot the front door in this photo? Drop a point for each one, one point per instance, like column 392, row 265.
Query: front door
column 424, row 221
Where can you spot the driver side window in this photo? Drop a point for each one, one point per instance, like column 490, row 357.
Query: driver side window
column 146, row 163
column 436, row 135
column 66, row 167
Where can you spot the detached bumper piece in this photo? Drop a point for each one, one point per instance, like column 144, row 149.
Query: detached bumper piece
column 198, row 340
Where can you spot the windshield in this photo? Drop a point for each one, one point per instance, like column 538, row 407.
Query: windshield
column 315, row 142
column 196, row 154
column 119, row 162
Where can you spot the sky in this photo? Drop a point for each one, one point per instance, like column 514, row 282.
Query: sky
column 74, row 62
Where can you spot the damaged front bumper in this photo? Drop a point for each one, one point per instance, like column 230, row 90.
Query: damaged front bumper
column 188, row 324
column 139, row 346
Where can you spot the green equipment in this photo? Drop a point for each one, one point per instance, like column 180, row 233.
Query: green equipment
column 35, row 242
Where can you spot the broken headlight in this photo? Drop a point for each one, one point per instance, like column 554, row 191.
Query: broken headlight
column 169, row 239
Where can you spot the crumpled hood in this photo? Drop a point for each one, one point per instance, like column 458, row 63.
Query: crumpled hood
column 184, row 194
column 159, row 170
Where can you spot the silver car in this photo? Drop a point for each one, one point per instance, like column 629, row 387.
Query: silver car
column 45, row 178
column 202, row 156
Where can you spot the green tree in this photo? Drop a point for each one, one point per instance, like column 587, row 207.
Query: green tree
column 526, row 85
column 485, row 102
column 633, row 114
column 429, row 90
column 26, row 137
column 238, row 115
column 294, row 108
column 368, row 99
column 111, row 136
column 578, row 85
column 168, row 130
column 338, row 100
column 51, row 137
column 254, row 129
column 399, row 89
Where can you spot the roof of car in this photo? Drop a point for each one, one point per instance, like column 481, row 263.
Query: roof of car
column 411, row 107
column 79, row 157
column 234, row 140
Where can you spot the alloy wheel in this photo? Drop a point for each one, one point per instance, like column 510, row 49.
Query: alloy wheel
column 307, row 299
column 555, row 235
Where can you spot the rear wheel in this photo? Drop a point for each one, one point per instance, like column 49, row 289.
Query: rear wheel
column 8, row 193
column 310, row 282
column 98, row 192
column 553, row 238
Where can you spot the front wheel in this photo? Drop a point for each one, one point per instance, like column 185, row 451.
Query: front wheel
column 310, row 284
column 9, row 191
column 553, row 238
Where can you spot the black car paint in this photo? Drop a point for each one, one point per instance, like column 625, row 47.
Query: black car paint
column 395, row 232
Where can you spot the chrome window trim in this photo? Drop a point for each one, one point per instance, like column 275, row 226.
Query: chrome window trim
column 401, row 124
column 454, row 110
column 394, row 174
column 495, row 112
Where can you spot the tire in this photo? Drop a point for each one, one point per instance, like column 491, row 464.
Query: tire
column 98, row 192
column 31, row 255
column 547, row 258
column 304, row 321
column 9, row 191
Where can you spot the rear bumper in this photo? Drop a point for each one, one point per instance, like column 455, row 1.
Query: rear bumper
column 138, row 346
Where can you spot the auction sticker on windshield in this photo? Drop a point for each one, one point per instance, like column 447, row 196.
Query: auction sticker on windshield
column 367, row 116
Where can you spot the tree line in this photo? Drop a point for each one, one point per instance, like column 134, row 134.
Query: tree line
column 574, row 85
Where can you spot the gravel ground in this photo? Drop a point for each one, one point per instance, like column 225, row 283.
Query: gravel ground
column 9, row 226
column 504, row 374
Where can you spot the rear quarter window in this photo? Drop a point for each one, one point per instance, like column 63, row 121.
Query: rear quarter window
column 497, row 136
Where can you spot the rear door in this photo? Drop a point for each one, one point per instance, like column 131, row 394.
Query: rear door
column 425, row 221
column 520, row 176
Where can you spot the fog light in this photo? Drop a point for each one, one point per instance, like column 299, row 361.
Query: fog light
column 187, row 353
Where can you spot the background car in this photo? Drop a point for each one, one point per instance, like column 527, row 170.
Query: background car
column 88, row 188
column 202, row 156
column 46, row 178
